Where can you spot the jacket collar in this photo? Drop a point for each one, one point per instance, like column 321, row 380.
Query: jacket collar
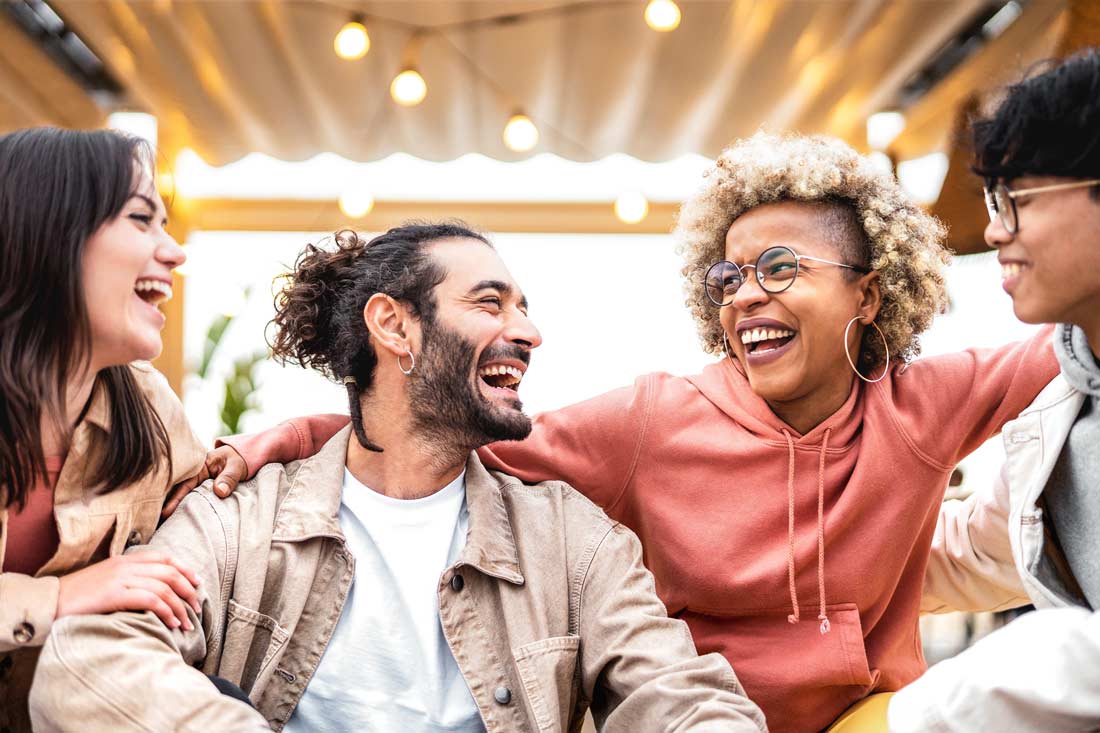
column 311, row 508
column 490, row 544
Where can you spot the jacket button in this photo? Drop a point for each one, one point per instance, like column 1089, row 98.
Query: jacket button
column 457, row 583
column 133, row 539
column 502, row 695
column 5, row 665
column 23, row 633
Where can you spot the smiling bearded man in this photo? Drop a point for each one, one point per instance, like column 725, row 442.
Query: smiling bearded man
column 391, row 582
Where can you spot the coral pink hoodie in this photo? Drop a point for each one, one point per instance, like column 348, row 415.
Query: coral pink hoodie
column 800, row 558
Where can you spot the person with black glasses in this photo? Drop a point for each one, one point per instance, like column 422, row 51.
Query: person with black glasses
column 1034, row 535
column 786, row 496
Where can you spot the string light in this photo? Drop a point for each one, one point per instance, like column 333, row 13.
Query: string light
column 883, row 127
column 352, row 42
column 631, row 207
column 356, row 203
column 662, row 15
column 408, row 88
column 520, row 134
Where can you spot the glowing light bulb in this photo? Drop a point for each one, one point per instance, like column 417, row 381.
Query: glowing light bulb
column 520, row 134
column 662, row 15
column 408, row 88
column 631, row 207
column 352, row 42
column 356, row 203
column 883, row 127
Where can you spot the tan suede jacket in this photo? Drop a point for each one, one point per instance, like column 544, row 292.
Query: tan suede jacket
column 92, row 525
column 548, row 611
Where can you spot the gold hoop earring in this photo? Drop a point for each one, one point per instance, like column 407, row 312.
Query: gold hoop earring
column 412, row 363
column 885, row 346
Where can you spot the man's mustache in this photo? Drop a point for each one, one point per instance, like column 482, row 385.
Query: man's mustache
column 502, row 353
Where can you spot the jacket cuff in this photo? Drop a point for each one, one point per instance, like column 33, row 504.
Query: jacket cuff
column 28, row 607
column 280, row 444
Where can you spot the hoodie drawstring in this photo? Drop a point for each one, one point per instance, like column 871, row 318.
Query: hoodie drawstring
column 793, row 618
column 822, row 616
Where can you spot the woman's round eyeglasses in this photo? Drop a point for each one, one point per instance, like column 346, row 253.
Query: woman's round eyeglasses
column 776, row 269
column 1000, row 200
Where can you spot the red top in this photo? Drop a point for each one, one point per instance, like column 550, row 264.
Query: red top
column 750, row 528
column 32, row 533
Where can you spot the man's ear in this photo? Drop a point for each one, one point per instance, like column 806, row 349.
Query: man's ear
column 390, row 323
column 870, row 296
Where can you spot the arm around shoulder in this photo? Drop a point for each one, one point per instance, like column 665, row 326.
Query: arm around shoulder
column 127, row 671
column 640, row 667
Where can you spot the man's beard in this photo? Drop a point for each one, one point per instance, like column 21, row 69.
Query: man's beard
column 447, row 406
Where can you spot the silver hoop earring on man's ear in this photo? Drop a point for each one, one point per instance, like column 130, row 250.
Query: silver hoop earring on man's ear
column 412, row 363
column 885, row 347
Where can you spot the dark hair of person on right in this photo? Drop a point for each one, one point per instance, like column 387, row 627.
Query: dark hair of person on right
column 57, row 189
column 1047, row 125
column 319, row 311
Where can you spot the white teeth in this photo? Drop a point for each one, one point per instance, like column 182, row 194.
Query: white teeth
column 753, row 335
column 154, row 286
column 1010, row 269
column 498, row 369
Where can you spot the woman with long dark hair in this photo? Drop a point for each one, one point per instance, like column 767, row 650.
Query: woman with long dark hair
column 91, row 438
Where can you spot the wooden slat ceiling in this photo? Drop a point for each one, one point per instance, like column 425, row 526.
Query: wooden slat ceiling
column 232, row 77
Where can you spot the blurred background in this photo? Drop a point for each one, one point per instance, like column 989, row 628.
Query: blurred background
column 568, row 130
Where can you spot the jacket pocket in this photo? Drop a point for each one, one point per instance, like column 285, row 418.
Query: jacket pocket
column 252, row 640
column 548, row 670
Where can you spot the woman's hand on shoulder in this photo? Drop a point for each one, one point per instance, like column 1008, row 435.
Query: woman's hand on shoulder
column 223, row 463
column 142, row 581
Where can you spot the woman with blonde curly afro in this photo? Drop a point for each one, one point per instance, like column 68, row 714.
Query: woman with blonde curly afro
column 786, row 496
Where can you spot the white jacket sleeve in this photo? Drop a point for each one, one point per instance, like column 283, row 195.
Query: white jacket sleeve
column 1040, row 673
column 971, row 567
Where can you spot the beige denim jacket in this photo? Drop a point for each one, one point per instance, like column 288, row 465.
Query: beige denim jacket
column 548, row 611
column 92, row 525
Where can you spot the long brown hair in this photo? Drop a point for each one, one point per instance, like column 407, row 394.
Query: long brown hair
column 57, row 188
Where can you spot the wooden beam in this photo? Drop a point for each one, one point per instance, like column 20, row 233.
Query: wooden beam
column 32, row 80
column 1082, row 27
column 288, row 215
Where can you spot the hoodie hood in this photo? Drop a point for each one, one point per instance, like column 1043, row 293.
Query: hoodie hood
column 1076, row 359
column 724, row 385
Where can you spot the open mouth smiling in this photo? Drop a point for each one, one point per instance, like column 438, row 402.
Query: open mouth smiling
column 152, row 291
column 501, row 376
column 763, row 340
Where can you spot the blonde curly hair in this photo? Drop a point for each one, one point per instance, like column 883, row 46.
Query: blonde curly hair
column 906, row 243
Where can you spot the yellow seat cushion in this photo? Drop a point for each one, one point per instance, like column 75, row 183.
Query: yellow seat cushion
column 866, row 716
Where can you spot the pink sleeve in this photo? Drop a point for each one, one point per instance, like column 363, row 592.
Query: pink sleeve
column 952, row 404
column 592, row 445
column 293, row 440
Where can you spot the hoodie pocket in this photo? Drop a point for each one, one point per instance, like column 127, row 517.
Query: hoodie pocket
column 767, row 650
column 548, row 670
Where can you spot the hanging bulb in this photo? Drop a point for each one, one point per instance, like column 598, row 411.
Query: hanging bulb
column 352, row 42
column 662, row 15
column 631, row 207
column 356, row 203
column 408, row 88
column 520, row 134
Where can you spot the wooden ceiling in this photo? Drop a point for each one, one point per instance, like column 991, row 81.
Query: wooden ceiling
column 231, row 77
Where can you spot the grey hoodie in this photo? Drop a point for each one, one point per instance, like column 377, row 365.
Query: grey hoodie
column 1072, row 495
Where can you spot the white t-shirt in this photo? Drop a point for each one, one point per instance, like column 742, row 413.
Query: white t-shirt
column 388, row 666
